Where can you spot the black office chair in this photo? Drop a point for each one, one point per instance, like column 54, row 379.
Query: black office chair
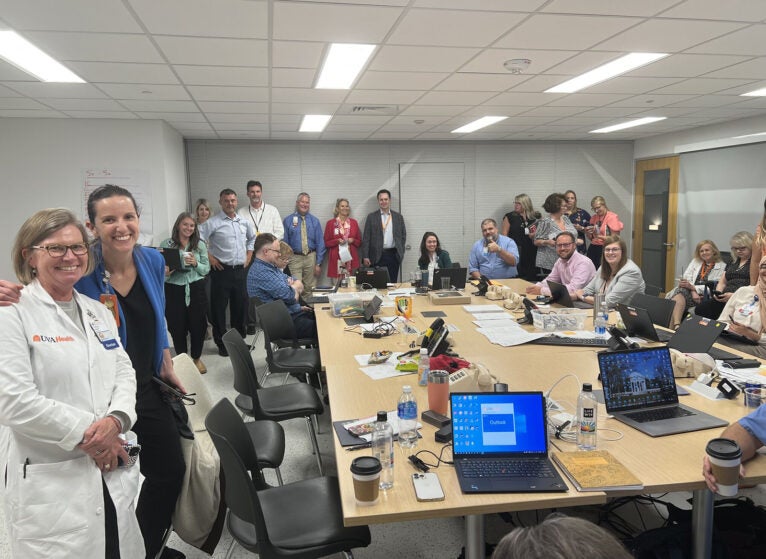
column 276, row 403
column 302, row 520
column 455, row 265
column 660, row 310
column 252, row 312
column 277, row 325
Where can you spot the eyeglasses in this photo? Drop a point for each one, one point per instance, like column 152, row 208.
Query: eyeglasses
column 58, row 251
column 596, row 208
column 564, row 245
column 739, row 248
column 612, row 250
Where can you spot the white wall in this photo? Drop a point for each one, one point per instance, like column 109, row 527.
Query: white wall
column 494, row 173
column 42, row 162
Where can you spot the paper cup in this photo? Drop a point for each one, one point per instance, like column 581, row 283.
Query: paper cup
column 366, row 473
column 725, row 457
column 754, row 395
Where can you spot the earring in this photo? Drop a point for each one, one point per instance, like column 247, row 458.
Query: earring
column 34, row 271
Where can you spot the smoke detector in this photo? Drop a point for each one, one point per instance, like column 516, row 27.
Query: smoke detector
column 517, row 65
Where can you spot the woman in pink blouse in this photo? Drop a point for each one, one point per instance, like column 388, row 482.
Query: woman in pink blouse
column 342, row 231
column 603, row 223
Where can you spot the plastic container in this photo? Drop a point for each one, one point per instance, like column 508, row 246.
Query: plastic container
column 383, row 449
column 346, row 305
column 587, row 415
column 559, row 319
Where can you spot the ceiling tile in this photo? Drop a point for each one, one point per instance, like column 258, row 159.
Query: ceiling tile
column 20, row 103
column 50, row 90
column 583, row 62
column 212, row 75
column 687, row 65
column 11, row 73
column 304, row 108
column 23, row 113
column 465, row 81
column 549, row 31
column 372, row 97
column 523, row 99
column 330, row 22
column 491, row 60
column 400, row 80
column 490, row 5
column 747, row 41
column 752, row 69
column 417, row 59
column 452, row 28
column 296, row 95
column 203, row 18
column 454, row 98
column 632, row 85
column 100, row 114
column 650, row 99
column 347, row 135
column 219, row 93
column 739, row 10
column 608, row 7
column 160, row 106
column 586, row 100
column 538, row 84
column 297, row 54
column 108, row 16
column 214, row 52
column 6, row 92
column 292, row 77
column 554, row 111
column 171, row 116
column 252, row 126
column 368, row 2
column 233, row 107
column 97, row 47
column 668, row 36
column 373, row 121
column 700, row 86
column 220, row 118
column 145, row 92
column 117, row 72
column 85, row 105
column 706, row 101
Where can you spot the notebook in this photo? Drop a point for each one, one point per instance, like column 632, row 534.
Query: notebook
column 457, row 277
column 318, row 299
column 372, row 278
column 640, row 391
column 560, row 294
column 500, row 443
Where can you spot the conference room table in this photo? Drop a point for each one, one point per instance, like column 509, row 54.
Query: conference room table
column 664, row 464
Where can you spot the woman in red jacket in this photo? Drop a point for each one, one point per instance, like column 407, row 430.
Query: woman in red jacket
column 342, row 239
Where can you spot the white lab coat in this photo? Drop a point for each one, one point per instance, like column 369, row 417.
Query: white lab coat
column 56, row 381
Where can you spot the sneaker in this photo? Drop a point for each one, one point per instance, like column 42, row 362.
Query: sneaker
column 200, row 366
column 222, row 351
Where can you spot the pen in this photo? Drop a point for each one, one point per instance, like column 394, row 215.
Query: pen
column 358, row 447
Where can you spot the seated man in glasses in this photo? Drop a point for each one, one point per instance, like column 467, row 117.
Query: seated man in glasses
column 572, row 269
column 268, row 282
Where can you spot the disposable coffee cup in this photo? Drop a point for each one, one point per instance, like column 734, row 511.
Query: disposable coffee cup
column 725, row 457
column 366, row 473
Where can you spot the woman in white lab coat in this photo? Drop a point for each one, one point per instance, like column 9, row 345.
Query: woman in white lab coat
column 68, row 392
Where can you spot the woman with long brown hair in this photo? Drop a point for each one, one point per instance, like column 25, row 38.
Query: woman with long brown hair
column 617, row 279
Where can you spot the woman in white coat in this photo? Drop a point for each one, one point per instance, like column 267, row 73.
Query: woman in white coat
column 68, row 393
column 706, row 267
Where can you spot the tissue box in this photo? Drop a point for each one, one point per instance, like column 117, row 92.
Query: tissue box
column 346, row 305
column 560, row 319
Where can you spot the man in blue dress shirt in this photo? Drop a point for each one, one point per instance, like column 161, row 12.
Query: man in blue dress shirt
column 268, row 282
column 304, row 234
column 495, row 256
column 230, row 241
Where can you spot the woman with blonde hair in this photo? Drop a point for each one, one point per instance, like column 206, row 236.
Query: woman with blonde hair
column 603, row 223
column 759, row 247
column 617, row 279
column 520, row 225
column 745, row 312
column 736, row 275
column 705, row 267
column 579, row 218
column 201, row 210
column 342, row 239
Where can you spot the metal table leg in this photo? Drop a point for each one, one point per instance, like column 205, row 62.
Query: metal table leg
column 474, row 536
column 702, row 524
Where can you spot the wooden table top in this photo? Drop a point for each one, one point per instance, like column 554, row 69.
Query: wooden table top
column 671, row 463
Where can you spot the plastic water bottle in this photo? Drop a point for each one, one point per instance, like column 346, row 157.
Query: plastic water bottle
column 424, row 367
column 601, row 323
column 407, row 410
column 600, row 315
column 587, row 413
column 383, row 449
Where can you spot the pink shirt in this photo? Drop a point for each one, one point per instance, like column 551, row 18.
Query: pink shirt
column 610, row 221
column 574, row 273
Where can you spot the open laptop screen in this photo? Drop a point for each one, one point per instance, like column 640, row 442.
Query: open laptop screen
column 502, row 423
column 637, row 378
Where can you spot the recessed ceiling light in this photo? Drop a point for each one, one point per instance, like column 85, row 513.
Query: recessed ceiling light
column 314, row 123
column 342, row 65
column 483, row 122
column 757, row 93
column 607, row 71
column 628, row 124
column 25, row 56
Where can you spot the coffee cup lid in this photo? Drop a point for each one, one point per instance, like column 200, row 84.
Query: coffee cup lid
column 723, row 449
column 365, row 465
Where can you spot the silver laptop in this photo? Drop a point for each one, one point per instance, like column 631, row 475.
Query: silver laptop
column 500, row 443
column 640, row 391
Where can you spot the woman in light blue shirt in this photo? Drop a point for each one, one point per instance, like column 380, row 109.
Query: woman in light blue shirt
column 185, row 299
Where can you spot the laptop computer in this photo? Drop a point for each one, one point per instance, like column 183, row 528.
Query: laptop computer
column 560, row 294
column 640, row 391
column 372, row 278
column 318, row 299
column 457, row 277
column 660, row 309
column 500, row 443
column 733, row 336
column 638, row 323
column 329, row 288
column 697, row 335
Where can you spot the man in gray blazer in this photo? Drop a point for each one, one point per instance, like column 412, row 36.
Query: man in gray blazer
column 384, row 237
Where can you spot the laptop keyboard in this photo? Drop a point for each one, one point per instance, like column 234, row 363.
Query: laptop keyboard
column 556, row 340
column 658, row 414
column 506, row 467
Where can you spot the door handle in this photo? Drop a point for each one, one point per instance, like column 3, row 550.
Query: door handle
column 669, row 245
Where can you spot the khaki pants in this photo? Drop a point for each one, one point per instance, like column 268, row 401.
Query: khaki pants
column 302, row 267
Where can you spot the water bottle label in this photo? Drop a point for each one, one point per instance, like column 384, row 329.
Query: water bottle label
column 587, row 421
column 407, row 410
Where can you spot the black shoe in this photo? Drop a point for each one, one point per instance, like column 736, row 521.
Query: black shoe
column 222, row 351
column 170, row 553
